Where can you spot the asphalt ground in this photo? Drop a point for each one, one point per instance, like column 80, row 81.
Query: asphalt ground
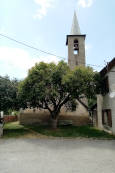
column 57, row 156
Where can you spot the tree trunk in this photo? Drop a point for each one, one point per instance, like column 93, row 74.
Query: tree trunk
column 54, row 123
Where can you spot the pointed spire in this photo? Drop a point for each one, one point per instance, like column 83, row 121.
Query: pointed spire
column 75, row 30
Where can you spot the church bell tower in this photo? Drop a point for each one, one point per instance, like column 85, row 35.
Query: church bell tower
column 76, row 45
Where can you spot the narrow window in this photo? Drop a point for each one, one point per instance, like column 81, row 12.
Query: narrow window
column 75, row 52
column 107, row 117
column 76, row 47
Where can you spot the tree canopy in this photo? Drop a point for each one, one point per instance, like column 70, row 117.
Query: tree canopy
column 50, row 86
column 8, row 94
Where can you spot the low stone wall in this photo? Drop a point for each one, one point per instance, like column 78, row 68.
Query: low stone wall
column 34, row 118
column 77, row 120
column 43, row 118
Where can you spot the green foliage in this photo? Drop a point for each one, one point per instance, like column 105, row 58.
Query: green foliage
column 81, row 81
column 98, row 89
column 10, row 111
column 8, row 94
column 13, row 130
column 51, row 86
column 92, row 102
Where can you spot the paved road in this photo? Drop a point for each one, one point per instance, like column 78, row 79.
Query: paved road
column 57, row 156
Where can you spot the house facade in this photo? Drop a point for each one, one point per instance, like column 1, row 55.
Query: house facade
column 106, row 102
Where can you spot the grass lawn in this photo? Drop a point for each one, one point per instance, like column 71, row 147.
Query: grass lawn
column 72, row 131
column 16, row 130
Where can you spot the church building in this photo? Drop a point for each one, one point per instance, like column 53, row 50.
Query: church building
column 76, row 57
column 76, row 45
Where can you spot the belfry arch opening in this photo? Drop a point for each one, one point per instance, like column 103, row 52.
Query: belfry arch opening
column 76, row 47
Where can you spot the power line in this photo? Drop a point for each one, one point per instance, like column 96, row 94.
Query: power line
column 95, row 65
column 89, row 64
column 32, row 47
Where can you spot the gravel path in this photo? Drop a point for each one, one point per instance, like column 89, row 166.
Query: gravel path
column 57, row 156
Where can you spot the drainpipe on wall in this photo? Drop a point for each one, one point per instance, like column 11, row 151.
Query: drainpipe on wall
column 112, row 102
column 99, row 111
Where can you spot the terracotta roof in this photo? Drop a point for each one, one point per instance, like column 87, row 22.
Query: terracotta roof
column 107, row 68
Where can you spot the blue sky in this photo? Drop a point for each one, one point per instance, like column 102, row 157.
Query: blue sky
column 44, row 24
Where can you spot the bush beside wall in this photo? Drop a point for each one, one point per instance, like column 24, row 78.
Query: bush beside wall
column 8, row 118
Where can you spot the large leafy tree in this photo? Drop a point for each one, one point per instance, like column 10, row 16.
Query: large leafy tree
column 8, row 94
column 50, row 86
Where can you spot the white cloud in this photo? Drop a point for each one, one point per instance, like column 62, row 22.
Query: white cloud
column 49, row 58
column 44, row 5
column 85, row 3
column 15, row 61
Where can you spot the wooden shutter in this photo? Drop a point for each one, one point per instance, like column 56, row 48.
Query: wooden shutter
column 109, row 118
column 103, row 119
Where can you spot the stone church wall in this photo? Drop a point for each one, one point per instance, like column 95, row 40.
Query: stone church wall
column 79, row 117
column 43, row 118
column 75, row 60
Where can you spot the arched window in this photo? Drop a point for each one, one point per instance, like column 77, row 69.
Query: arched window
column 76, row 47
